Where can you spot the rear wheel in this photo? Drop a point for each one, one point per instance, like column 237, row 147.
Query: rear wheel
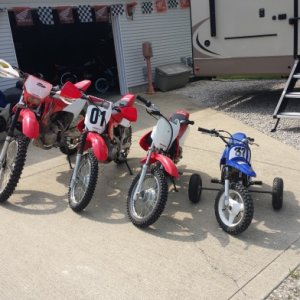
column 195, row 188
column 12, row 165
column 101, row 85
column 68, row 76
column 150, row 203
column 235, row 215
column 82, row 190
column 127, row 138
column 277, row 193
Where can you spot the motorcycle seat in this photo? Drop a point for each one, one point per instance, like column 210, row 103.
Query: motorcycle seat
column 12, row 95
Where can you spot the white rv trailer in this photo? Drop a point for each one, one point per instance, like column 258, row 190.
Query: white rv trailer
column 244, row 36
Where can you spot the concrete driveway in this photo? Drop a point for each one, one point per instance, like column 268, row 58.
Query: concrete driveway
column 49, row 252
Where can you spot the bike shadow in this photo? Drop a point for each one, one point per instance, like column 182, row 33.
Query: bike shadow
column 35, row 203
column 185, row 221
column 108, row 204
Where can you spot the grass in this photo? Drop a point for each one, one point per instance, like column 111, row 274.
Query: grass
column 295, row 274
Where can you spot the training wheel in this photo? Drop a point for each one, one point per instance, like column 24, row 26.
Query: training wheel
column 195, row 188
column 277, row 193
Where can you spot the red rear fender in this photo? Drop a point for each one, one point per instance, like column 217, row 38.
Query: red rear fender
column 167, row 163
column 30, row 125
column 98, row 145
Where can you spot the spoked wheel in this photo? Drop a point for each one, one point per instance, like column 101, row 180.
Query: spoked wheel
column 235, row 215
column 101, row 85
column 82, row 190
column 277, row 193
column 68, row 76
column 195, row 188
column 70, row 146
column 149, row 205
column 12, row 165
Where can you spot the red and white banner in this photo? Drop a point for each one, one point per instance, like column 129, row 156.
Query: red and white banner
column 160, row 5
column 101, row 13
column 23, row 16
column 65, row 14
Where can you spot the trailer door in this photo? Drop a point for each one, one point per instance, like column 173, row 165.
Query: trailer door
column 240, row 34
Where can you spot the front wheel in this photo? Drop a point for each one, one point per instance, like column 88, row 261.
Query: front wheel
column 235, row 214
column 82, row 189
column 151, row 201
column 277, row 193
column 12, row 165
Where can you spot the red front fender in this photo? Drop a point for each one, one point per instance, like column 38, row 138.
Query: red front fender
column 167, row 163
column 95, row 141
column 30, row 125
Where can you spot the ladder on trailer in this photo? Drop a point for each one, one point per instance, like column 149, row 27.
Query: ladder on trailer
column 288, row 92
column 287, row 95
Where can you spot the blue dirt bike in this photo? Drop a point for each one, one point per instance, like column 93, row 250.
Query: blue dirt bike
column 233, row 205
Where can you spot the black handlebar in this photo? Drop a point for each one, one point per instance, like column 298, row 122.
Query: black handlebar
column 204, row 130
column 143, row 100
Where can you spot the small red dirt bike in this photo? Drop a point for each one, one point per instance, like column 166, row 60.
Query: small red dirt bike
column 107, row 131
column 148, row 192
column 43, row 115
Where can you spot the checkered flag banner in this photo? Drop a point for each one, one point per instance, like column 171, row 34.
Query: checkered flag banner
column 172, row 3
column 117, row 9
column 45, row 15
column 85, row 13
column 147, row 7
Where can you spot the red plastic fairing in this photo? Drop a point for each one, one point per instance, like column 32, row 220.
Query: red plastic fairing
column 83, row 85
column 80, row 125
column 129, row 113
column 144, row 141
column 167, row 163
column 129, row 98
column 30, row 125
column 95, row 141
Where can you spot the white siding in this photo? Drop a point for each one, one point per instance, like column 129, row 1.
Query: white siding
column 7, row 49
column 170, row 35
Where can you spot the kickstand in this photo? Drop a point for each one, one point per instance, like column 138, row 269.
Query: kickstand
column 173, row 181
column 127, row 165
column 69, row 161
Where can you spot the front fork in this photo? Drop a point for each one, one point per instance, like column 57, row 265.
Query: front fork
column 9, row 137
column 78, row 158
column 143, row 174
column 226, row 185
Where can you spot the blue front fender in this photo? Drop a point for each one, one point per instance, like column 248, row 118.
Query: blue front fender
column 242, row 166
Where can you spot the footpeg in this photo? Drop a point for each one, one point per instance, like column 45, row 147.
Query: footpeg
column 256, row 182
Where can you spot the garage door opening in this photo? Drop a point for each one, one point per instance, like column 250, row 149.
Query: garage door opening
column 67, row 52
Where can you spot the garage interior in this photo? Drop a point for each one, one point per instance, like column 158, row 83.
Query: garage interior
column 73, row 51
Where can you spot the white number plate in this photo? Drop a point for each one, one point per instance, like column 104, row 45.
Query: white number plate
column 238, row 151
column 96, row 118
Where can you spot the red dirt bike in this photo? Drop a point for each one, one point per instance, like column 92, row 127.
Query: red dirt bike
column 44, row 115
column 106, row 130
column 148, row 192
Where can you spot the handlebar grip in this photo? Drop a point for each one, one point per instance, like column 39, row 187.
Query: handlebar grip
column 251, row 140
column 143, row 100
column 204, row 130
column 191, row 122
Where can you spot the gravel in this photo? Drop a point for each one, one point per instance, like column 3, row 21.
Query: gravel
column 253, row 102
column 250, row 101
